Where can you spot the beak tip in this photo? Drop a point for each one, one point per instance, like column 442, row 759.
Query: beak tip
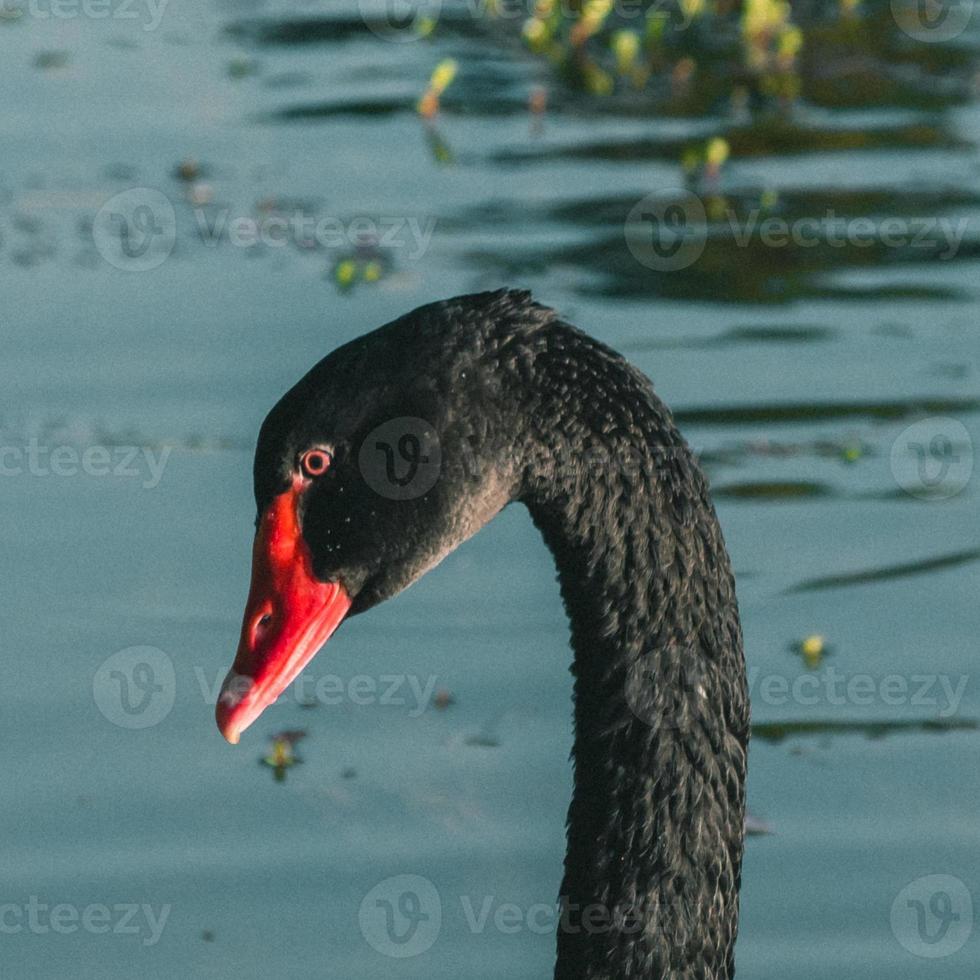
column 229, row 720
column 228, row 714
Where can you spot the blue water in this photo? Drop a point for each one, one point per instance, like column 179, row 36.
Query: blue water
column 247, row 876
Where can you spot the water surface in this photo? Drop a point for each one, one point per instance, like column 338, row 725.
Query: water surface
column 794, row 372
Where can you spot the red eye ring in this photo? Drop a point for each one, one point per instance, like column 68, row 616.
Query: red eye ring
column 315, row 462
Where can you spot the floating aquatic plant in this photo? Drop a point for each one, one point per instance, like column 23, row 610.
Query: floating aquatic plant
column 702, row 164
column 442, row 78
column 281, row 755
column 812, row 649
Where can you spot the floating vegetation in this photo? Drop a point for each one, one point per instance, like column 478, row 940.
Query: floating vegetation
column 366, row 265
column 189, row 170
column 242, row 67
column 281, row 755
column 702, row 164
column 812, row 649
column 754, row 59
column 482, row 740
column 687, row 57
column 443, row 699
column 442, row 78
column 52, row 60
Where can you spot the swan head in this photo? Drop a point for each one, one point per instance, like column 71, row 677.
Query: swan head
column 390, row 453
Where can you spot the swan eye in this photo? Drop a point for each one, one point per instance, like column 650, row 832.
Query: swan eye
column 315, row 462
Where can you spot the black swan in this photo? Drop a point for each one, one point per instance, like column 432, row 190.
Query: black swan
column 520, row 406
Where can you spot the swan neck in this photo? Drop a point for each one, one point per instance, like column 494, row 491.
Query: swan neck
column 655, row 825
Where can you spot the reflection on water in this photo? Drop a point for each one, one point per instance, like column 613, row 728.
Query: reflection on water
column 893, row 571
column 773, row 210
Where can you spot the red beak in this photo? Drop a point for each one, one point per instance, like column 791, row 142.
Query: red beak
column 289, row 615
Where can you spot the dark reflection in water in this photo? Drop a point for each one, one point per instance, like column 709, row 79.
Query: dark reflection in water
column 885, row 573
column 816, row 412
column 782, row 730
column 782, row 490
